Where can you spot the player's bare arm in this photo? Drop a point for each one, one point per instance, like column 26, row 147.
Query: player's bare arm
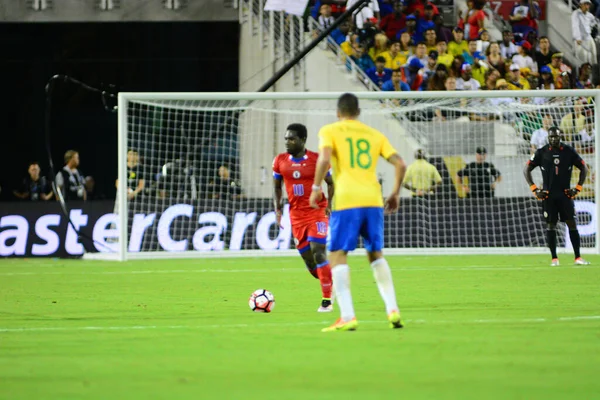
column 393, row 202
column 583, row 172
column 460, row 181
column 321, row 171
column 330, row 193
column 278, row 199
column 537, row 192
column 497, row 181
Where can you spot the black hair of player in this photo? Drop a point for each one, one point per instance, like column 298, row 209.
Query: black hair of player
column 300, row 130
column 554, row 136
column 348, row 105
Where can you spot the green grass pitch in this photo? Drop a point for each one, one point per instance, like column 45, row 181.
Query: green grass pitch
column 477, row 327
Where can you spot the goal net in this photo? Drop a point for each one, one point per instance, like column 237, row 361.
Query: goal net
column 206, row 161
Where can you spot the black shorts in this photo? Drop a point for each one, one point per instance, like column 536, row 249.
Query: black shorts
column 558, row 205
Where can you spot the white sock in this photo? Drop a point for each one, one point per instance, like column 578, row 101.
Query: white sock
column 343, row 297
column 385, row 283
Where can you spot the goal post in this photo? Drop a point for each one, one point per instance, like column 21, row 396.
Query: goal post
column 206, row 159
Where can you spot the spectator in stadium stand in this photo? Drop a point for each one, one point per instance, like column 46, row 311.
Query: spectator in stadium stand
column 443, row 56
column 475, row 20
column 450, row 84
column 585, row 29
column 456, row 69
column 425, row 20
column 379, row 74
column 348, row 47
column 393, row 58
column 395, row 21
column 340, row 33
column 366, row 35
column 463, row 16
column 495, row 59
column 418, row 7
column 429, row 69
column 412, row 74
column 420, row 53
column 546, row 81
column 501, row 84
column 523, row 17
column 458, row 45
column 522, row 58
column 543, row 56
column 441, row 32
column 396, row 84
column 69, row 180
column 539, row 137
column 483, row 41
column 429, row 12
column 406, row 50
column 380, row 45
column 564, row 80
column 557, row 67
column 386, row 7
column 466, row 81
column 479, row 69
column 574, row 122
column 532, row 38
column 584, row 79
column 471, row 52
column 34, row 187
column 491, row 77
column 325, row 17
column 361, row 58
column 516, row 80
column 507, row 47
column 438, row 79
column 430, row 40
column 411, row 28
column 370, row 11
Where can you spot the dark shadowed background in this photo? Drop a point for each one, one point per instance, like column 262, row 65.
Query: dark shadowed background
column 142, row 56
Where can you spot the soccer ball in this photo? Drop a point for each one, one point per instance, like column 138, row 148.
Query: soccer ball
column 262, row 301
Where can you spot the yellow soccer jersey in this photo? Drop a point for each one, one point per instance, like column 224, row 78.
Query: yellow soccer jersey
column 446, row 59
column 393, row 62
column 456, row 49
column 422, row 175
column 356, row 151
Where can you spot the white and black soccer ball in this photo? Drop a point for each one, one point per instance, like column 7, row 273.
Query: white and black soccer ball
column 262, row 301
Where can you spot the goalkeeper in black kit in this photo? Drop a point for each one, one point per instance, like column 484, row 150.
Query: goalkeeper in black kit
column 556, row 161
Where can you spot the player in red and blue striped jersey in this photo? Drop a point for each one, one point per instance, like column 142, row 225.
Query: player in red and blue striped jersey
column 296, row 168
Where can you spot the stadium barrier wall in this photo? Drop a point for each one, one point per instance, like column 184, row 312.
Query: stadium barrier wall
column 40, row 229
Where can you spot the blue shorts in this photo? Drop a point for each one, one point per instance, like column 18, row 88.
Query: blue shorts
column 346, row 225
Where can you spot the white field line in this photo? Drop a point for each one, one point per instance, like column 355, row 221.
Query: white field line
column 294, row 324
column 298, row 269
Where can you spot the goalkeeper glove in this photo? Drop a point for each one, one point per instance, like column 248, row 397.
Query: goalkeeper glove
column 539, row 193
column 572, row 192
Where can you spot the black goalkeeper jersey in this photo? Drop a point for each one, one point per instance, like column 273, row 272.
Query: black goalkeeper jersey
column 556, row 164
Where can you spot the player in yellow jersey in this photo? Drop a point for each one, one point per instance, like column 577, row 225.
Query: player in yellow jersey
column 353, row 149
